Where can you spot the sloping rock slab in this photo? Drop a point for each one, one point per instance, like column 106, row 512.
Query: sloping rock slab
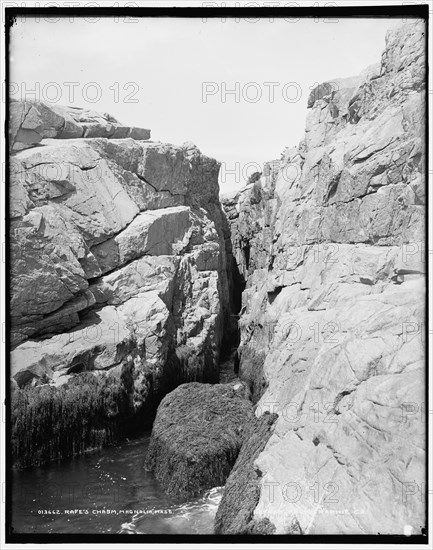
column 197, row 436
column 242, row 491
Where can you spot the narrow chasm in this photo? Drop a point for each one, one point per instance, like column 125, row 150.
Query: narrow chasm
column 229, row 364
column 158, row 327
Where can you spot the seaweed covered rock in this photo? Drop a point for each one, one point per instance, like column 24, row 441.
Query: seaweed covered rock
column 197, row 435
column 86, row 413
column 242, row 491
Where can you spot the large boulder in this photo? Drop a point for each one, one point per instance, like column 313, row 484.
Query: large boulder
column 197, row 435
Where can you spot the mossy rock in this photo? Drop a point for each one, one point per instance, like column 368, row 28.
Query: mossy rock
column 197, row 435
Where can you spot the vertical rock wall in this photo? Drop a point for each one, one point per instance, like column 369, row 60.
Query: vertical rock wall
column 330, row 242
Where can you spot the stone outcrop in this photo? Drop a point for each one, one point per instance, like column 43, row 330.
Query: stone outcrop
column 118, row 256
column 197, row 435
column 31, row 122
column 329, row 243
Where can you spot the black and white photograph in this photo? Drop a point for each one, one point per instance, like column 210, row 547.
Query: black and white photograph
column 215, row 274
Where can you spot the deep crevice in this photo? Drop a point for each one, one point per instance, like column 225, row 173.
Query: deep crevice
column 246, row 249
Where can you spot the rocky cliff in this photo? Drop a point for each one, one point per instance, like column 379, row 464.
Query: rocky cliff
column 119, row 269
column 124, row 272
column 329, row 242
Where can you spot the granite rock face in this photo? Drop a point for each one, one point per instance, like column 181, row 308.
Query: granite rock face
column 118, row 256
column 330, row 244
